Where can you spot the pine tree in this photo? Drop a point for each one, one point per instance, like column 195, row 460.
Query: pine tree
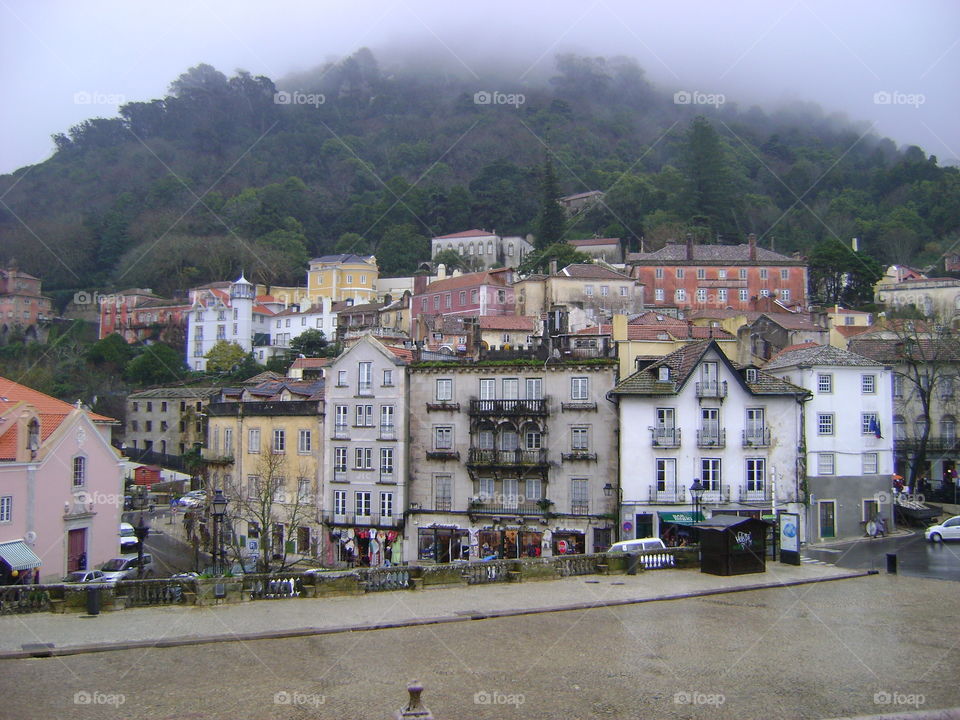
column 707, row 191
column 550, row 223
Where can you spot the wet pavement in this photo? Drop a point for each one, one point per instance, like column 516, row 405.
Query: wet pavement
column 848, row 647
column 915, row 556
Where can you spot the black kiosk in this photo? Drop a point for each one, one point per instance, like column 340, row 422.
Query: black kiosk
column 732, row 545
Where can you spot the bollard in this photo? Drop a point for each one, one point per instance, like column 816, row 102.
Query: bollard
column 93, row 600
column 633, row 563
column 892, row 563
column 414, row 708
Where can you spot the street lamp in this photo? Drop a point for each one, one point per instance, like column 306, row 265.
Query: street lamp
column 219, row 505
column 696, row 492
column 608, row 492
column 142, row 530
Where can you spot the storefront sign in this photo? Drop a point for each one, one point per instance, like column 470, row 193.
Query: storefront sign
column 790, row 538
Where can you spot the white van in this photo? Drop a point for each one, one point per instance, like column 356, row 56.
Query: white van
column 650, row 543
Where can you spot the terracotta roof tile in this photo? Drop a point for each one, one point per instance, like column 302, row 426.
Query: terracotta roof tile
column 814, row 354
column 732, row 254
column 506, row 322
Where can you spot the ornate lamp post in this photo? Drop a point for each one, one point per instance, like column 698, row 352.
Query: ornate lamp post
column 696, row 492
column 142, row 530
column 608, row 492
column 219, row 510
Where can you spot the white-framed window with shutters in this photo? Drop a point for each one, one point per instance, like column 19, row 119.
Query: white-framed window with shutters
column 386, row 463
column 304, row 441
column 580, row 439
column 339, row 502
column 486, row 487
column 253, row 440
column 826, row 463
column 6, row 508
column 579, row 496
column 443, row 437
column 533, row 490
column 386, row 505
column 362, row 503
column 579, row 388
column 443, row 491
column 488, row 389
column 870, row 463
column 79, row 471
column 363, row 458
column 279, row 441
column 444, row 389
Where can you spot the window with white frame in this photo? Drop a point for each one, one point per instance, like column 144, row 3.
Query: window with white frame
column 279, row 440
column 701, row 294
column 824, row 423
column 253, row 487
column 756, row 474
column 253, row 440
column 579, row 496
column 533, row 388
column 785, row 294
column 624, row 291
column 363, row 458
column 868, row 423
column 362, row 500
column 386, row 419
column 443, row 491
column 679, row 273
column 364, row 416
column 228, row 441
column 488, row 389
column 743, row 294
column 444, row 389
column 658, row 273
column 339, row 502
column 533, row 440
column 897, row 385
column 721, row 294
column 658, row 294
column 386, row 461
column 722, row 274
column 79, row 471
column 710, row 474
column 387, row 378
column 304, row 441
column 680, row 295
column 386, row 504
column 868, row 384
column 303, row 490
column 443, row 437
column 364, row 377
column 486, row 487
column 340, row 418
column 341, row 378
column 579, row 388
column 511, row 388
column 763, row 273
column 666, row 474
column 533, row 490
column 743, row 273
column 579, row 439
column 870, row 463
column 701, row 273
column 826, row 462
column 588, row 290
column 485, row 439
column 339, row 459
column 6, row 508
column 824, row 383
column 509, row 440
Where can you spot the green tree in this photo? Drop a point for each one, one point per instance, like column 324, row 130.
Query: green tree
column 707, row 188
column 157, row 364
column 838, row 274
column 309, row 343
column 550, row 222
column 113, row 352
column 224, row 357
column 401, row 250
column 352, row 242
column 563, row 253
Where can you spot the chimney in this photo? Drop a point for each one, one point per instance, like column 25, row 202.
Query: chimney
column 855, row 244
column 689, row 246
column 619, row 328
column 419, row 283
column 752, row 239
column 553, row 266
column 441, row 271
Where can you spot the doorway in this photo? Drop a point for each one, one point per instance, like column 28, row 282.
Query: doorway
column 828, row 518
column 77, row 550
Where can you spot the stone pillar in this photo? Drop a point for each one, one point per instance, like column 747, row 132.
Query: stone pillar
column 414, row 708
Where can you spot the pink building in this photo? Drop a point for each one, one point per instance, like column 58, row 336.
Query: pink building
column 141, row 315
column 21, row 304
column 61, row 487
column 471, row 294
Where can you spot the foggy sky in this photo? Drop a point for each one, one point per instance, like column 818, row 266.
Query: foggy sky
column 57, row 54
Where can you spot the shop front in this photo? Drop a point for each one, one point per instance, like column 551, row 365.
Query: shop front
column 569, row 542
column 19, row 565
column 364, row 547
column 509, row 542
column 679, row 528
column 443, row 544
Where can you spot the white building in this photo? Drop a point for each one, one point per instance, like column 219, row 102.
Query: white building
column 849, row 436
column 365, row 459
column 289, row 323
column 484, row 249
column 694, row 415
column 226, row 311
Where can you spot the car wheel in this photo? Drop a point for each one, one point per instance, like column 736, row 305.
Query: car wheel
column 936, row 537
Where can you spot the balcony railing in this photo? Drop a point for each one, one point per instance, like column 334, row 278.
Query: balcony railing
column 712, row 389
column 580, row 507
column 443, row 405
column 757, row 495
column 935, row 443
column 579, row 455
column 365, row 387
column 341, row 432
column 525, row 458
column 756, row 437
column 443, row 454
column 388, row 432
column 483, row 507
column 373, row 519
column 509, row 407
column 340, row 476
column 668, row 494
column 711, row 438
column 665, row 436
column 387, row 477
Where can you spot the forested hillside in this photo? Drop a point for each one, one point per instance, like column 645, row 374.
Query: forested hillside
column 217, row 176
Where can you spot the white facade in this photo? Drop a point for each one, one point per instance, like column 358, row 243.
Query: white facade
column 231, row 315
column 731, row 429
column 288, row 324
column 365, row 459
column 484, row 248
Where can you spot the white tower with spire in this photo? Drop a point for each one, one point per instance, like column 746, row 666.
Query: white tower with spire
column 243, row 295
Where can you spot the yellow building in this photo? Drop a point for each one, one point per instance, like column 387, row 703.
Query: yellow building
column 846, row 323
column 285, row 294
column 266, row 455
column 343, row 277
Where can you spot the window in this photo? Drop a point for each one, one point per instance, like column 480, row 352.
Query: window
column 868, row 423
column 604, row 290
column 362, row 500
column 134, row 425
column 666, row 475
column 485, row 439
column 228, row 441
column 743, row 273
column 448, row 301
column 340, row 419
column 658, row 294
column 763, row 273
column 580, row 439
column 163, row 406
column 825, row 463
column 824, row 383
column 6, row 508
column 898, row 385
column 680, row 295
column 474, row 296
column 444, row 390
column 679, row 273
column 364, row 416
column 579, row 496
column 136, row 406
column 436, row 302
column 701, row 274
column 756, row 474
column 279, row 440
column 533, row 388
column 253, row 440
column 488, row 389
column 868, row 384
column 79, row 471
column 721, row 294
column 339, row 459
column 149, row 407
column 742, row 294
column 364, row 377
column 722, row 274
column 304, row 441
column 701, row 294
column 754, row 430
column 511, row 388
column 443, row 491
column 386, row 419
column 870, row 463
column 710, row 474
column 588, row 290
column 946, row 387
column 784, row 274
column 579, row 388
column 462, row 298
column 824, row 423
column 784, row 294
column 443, row 437
column 899, row 428
column 363, row 458
column 303, row 490
column 486, row 488
column 386, row 461
column 658, row 273
column 764, row 293
column 388, row 378
column 253, row 486
column 341, row 378
column 509, row 440
column 533, row 490
column 533, row 440
column 623, row 291
column 386, row 504
column 948, row 429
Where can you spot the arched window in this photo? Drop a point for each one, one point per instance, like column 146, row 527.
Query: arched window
column 79, row 471
column 509, row 440
column 479, row 248
column 510, row 249
column 490, row 252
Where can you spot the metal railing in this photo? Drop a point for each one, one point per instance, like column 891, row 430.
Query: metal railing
column 504, row 508
column 712, row 389
column 665, row 436
column 480, row 456
column 758, row 437
column 509, row 407
column 669, row 494
column 711, row 438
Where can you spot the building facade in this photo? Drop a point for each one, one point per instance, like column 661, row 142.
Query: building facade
column 848, row 437
column 510, row 460
column 169, row 421
column 343, row 277
column 694, row 415
column 482, row 250
column 471, row 294
column 23, row 306
column 366, row 454
column 138, row 315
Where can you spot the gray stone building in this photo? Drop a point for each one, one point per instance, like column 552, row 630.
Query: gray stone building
column 167, row 420
column 511, row 459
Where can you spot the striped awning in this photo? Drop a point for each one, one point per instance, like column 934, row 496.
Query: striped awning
column 18, row 555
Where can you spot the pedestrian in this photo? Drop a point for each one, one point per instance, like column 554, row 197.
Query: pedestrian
column 881, row 527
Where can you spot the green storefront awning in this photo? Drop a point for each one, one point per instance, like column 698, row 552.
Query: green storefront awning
column 680, row 518
column 18, row 556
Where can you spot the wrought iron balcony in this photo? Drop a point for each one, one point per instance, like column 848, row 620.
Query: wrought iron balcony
column 373, row 519
column 443, row 454
column 756, row 437
column 668, row 495
column 665, row 436
column 509, row 408
column 490, row 507
column 935, row 444
column 715, row 438
column 579, row 455
column 507, row 458
column 712, row 389
column 757, row 495
column 444, row 405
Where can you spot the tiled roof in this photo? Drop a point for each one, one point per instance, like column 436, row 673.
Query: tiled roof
column 343, row 259
column 813, row 354
column 405, row 354
column 793, row 321
column 683, row 361
column 306, row 362
column 506, row 322
column 262, row 377
column 673, row 331
column 594, row 241
column 487, row 277
column 851, row 330
column 891, row 351
column 730, row 254
column 464, row 234
column 263, row 310
column 589, row 271
column 175, row 392
column 576, row 196
column 363, row 308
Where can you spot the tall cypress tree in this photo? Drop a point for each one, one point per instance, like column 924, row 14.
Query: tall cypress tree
column 707, row 189
column 550, row 222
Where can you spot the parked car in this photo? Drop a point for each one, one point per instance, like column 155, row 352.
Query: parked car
column 638, row 545
column 84, row 576
column 126, row 568
column 128, row 538
column 947, row 530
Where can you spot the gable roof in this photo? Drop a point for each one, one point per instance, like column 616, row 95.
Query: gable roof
column 792, row 321
column 814, row 354
column 588, row 242
column 683, row 361
column 309, row 362
column 486, row 277
column 465, row 234
column 889, row 351
column 705, row 254
column 343, row 259
column 589, row 271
